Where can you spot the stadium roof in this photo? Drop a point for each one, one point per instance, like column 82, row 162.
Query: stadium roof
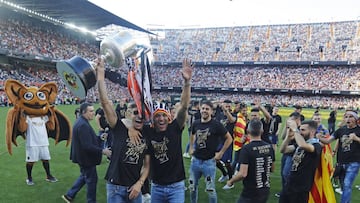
column 78, row 12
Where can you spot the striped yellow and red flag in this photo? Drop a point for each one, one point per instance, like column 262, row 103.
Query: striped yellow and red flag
column 239, row 132
column 322, row 190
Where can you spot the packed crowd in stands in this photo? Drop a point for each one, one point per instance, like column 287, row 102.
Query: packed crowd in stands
column 320, row 78
column 338, row 41
column 293, row 42
column 43, row 39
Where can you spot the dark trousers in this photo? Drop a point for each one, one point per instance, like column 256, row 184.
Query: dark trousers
column 260, row 198
column 88, row 176
column 298, row 197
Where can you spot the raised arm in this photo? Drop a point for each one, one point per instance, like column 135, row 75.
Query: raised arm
column 107, row 105
column 263, row 110
column 228, row 114
column 300, row 141
column 285, row 147
column 187, row 68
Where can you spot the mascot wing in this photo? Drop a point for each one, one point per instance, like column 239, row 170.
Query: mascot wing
column 12, row 128
column 62, row 130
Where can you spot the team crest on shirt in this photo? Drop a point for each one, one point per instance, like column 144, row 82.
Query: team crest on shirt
column 133, row 152
column 201, row 137
column 224, row 122
column 297, row 158
column 161, row 149
column 346, row 143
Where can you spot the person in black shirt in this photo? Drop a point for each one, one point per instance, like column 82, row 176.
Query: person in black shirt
column 332, row 121
column 121, row 108
column 103, row 126
column 165, row 148
column 275, row 126
column 228, row 120
column 348, row 152
column 129, row 163
column 255, row 114
column 256, row 162
column 286, row 159
column 298, row 109
column 206, row 136
column 306, row 158
column 193, row 114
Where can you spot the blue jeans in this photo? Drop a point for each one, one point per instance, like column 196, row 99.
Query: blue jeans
column 88, row 176
column 172, row 193
column 188, row 143
column 207, row 168
column 120, row 194
column 347, row 179
column 235, row 163
column 286, row 163
column 331, row 127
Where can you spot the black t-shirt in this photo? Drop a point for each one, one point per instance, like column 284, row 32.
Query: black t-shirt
column 349, row 151
column 121, row 109
column 303, row 169
column 207, row 138
column 167, row 164
column 102, row 119
column 194, row 114
column 226, row 123
column 265, row 134
column 259, row 156
column 332, row 117
column 274, row 124
column 126, row 159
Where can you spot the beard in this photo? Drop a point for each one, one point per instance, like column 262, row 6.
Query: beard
column 306, row 136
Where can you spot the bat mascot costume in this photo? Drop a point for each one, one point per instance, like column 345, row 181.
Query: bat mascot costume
column 35, row 118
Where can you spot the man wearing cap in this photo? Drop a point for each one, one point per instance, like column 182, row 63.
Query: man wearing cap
column 165, row 148
column 348, row 153
column 206, row 135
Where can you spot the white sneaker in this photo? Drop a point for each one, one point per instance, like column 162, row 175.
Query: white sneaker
column 223, row 178
column 338, row 190
column 186, row 155
column 226, row 187
column 146, row 198
column 29, row 182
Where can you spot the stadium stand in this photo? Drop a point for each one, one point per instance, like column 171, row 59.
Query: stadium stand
column 29, row 49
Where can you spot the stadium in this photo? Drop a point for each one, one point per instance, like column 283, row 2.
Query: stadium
column 314, row 65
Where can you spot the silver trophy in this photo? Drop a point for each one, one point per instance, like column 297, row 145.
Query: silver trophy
column 79, row 75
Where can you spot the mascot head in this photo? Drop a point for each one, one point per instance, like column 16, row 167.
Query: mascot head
column 33, row 100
